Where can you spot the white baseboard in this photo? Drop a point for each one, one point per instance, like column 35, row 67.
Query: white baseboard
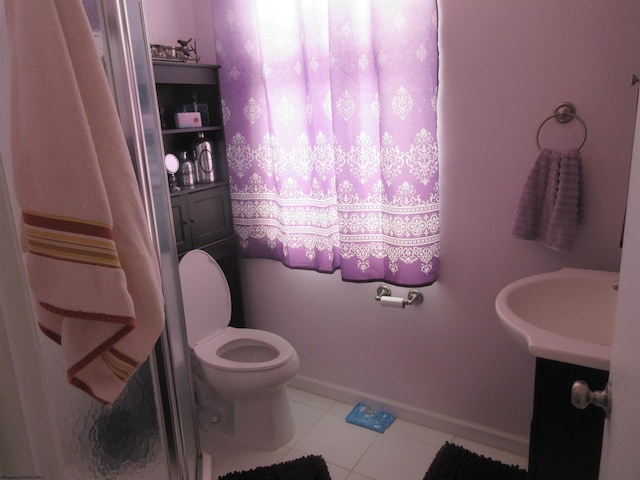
column 206, row 467
column 460, row 428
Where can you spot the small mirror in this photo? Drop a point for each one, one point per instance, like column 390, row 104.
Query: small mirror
column 172, row 164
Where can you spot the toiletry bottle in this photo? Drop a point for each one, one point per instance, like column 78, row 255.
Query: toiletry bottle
column 203, row 153
column 187, row 170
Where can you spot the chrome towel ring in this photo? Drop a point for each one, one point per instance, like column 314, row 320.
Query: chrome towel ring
column 563, row 113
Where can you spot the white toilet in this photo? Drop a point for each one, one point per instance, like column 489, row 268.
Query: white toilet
column 240, row 374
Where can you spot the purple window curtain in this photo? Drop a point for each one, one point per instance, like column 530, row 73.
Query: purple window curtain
column 330, row 117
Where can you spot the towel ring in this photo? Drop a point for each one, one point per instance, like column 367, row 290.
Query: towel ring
column 563, row 113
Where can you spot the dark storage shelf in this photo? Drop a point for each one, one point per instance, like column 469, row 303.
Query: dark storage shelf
column 201, row 213
column 202, row 217
column 185, row 73
column 174, row 131
column 196, row 188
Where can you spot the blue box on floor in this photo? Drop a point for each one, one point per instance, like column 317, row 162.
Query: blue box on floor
column 367, row 417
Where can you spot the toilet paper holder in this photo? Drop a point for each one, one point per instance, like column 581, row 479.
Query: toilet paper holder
column 414, row 297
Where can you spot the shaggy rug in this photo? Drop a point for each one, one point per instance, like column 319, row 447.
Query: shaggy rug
column 311, row 467
column 454, row 462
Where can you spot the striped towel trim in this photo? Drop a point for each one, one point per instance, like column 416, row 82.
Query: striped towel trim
column 51, row 334
column 121, row 365
column 76, row 382
column 106, row 348
column 70, row 239
column 96, row 316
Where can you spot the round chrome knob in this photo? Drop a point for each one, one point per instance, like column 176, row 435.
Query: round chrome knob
column 582, row 396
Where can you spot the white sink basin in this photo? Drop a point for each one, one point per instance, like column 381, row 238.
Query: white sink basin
column 566, row 315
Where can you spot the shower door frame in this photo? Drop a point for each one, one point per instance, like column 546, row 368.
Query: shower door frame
column 131, row 76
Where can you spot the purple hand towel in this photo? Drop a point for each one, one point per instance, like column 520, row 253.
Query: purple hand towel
column 548, row 209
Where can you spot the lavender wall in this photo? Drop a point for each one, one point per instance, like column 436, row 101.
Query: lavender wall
column 504, row 67
column 167, row 21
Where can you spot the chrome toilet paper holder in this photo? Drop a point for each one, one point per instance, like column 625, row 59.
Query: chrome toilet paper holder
column 414, row 297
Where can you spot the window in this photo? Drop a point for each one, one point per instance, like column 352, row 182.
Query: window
column 330, row 118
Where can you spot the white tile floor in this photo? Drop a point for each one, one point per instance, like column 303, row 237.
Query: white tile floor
column 403, row 452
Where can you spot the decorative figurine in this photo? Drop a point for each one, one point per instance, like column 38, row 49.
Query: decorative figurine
column 184, row 52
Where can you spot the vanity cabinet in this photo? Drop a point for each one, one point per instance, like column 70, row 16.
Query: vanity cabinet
column 201, row 213
column 565, row 442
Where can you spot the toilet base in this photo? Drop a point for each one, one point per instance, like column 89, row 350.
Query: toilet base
column 265, row 422
column 214, row 423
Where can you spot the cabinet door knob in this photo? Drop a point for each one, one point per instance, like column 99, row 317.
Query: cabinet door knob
column 582, row 396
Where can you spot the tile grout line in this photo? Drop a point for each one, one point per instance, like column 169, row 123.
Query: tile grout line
column 353, row 470
column 327, row 406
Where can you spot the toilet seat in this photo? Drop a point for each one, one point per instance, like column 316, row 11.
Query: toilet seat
column 207, row 309
column 209, row 350
column 206, row 296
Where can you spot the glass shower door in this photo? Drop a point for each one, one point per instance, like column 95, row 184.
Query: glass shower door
column 120, row 29
column 149, row 433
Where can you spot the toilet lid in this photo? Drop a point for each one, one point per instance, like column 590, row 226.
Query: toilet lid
column 205, row 295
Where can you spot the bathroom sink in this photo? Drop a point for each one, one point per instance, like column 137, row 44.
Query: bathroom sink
column 566, row 315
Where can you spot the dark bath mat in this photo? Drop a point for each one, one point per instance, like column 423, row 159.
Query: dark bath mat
column 454, row 462
column 311, row 467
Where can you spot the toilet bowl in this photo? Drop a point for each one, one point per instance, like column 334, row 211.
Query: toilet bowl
column 240, row 374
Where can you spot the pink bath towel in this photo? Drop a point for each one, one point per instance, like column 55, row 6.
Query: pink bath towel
column 548, row 208
column 91, row 264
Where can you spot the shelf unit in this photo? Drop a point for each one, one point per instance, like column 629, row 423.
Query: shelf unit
column 201, row 213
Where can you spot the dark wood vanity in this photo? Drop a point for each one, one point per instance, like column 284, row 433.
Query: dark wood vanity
column 565, row 442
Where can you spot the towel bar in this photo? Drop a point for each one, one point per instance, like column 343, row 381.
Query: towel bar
column 563, row 113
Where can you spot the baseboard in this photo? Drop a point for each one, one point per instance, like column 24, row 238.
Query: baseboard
column 206, row 467
column 461, row 428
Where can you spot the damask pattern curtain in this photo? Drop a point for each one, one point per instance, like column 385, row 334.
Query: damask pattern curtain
column 330, row 118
